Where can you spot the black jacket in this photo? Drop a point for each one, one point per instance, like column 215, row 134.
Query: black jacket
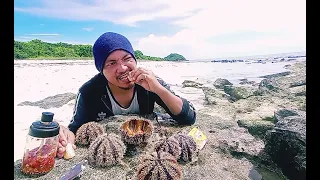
column 93, row 104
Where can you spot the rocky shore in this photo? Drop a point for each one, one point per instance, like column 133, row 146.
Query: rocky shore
column 254, row 130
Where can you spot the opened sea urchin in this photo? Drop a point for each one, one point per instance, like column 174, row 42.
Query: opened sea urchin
column 136, row 131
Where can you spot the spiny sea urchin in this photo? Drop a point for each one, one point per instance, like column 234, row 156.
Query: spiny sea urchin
column 158, row 166
column 188, row 146
column 88, row 132
column 106, row 150
column 136, row 131
column 169, row 145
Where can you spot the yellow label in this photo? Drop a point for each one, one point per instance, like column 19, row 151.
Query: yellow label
column 198, row 137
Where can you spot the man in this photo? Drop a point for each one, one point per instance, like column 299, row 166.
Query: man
column 121, row 88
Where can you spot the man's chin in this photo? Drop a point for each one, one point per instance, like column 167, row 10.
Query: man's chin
column 127, row 87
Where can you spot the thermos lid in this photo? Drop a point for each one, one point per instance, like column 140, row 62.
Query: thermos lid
column 44, row 128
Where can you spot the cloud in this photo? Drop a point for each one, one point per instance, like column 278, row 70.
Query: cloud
column 87, row 29
column 26, row 37
column 43, row 34
column 116, row 11
column 282, row 23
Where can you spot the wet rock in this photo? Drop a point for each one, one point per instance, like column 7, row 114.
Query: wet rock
column 286, row 143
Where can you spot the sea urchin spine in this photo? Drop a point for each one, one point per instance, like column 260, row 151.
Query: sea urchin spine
column 106, row 150
column 169, row 145
column 88, row 132
column 188, row 146
column 158, row 166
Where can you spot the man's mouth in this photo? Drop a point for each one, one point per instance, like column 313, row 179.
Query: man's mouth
column 123, row 76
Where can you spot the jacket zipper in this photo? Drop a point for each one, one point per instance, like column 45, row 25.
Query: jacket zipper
column 102, row 99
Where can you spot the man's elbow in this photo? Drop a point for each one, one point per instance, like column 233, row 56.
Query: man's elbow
column 189, row 120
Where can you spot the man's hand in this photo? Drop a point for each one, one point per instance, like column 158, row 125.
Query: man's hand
column 145, row 78
column 65, row 137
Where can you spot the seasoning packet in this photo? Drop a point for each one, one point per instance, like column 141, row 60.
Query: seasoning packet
column 199, row 137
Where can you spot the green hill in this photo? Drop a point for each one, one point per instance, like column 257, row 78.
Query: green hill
column 37, row 49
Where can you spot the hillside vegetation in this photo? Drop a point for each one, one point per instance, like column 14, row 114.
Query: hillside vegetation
column 37, row 49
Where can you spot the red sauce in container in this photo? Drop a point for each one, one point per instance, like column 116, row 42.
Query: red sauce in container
column 37, row 162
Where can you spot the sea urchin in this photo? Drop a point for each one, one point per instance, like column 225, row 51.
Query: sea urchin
column 106, row 150
column 88, row 132
column 158, row 166
column 169, row 145
column 188, row 146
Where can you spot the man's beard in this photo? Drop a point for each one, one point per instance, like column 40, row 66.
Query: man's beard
column 127, row 88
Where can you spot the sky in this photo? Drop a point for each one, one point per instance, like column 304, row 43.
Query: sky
column 196, row 29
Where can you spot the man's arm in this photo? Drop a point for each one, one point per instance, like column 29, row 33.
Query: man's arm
column 79, row 114
column 179, row 108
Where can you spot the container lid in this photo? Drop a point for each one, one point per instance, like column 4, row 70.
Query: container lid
column 44, row 128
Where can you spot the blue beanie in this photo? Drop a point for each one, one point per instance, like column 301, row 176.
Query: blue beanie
column 106, row 44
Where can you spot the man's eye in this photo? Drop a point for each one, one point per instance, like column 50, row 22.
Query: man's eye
column 128, row 59
column 111, row 63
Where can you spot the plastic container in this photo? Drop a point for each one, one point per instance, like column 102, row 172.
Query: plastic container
column 41, row 146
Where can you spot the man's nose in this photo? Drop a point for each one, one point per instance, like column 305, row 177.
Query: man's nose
column 122, row 67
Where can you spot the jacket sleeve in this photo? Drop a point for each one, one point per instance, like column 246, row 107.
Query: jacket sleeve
column 187, row 116
column 79, row 116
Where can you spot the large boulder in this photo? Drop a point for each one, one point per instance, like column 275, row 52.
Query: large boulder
column 286, row 143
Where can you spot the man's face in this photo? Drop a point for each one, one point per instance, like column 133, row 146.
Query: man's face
column 118, row 63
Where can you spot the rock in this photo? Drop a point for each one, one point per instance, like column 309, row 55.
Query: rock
column 189, row 83
column 245, row 81
column 256, row 127
column 298, row 90
column 238, row 140
column 238, row 92
column 220, row 83
column 213, row 96
column 286, row 143
column 55, row 101
column 268, row 85
column 276, row 75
